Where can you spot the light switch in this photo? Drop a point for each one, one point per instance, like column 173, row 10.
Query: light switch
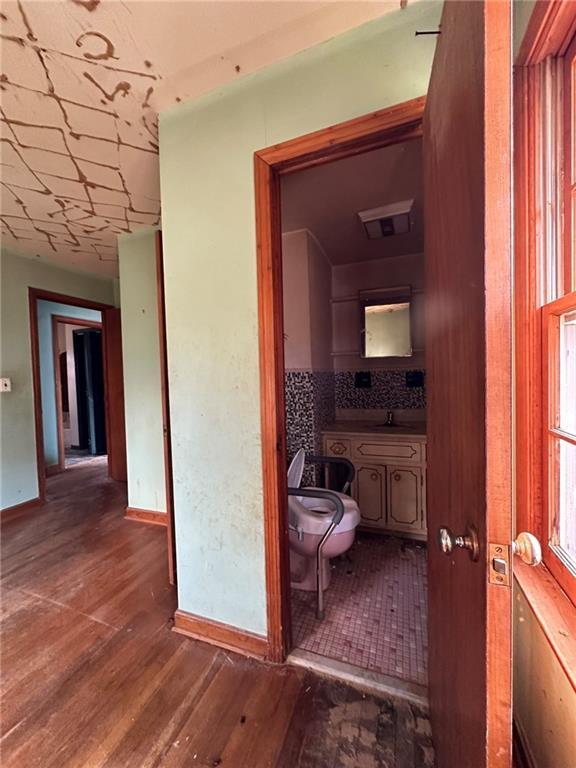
column 5, row 385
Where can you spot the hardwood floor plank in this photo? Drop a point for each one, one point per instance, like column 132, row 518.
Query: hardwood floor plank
column 92, row 676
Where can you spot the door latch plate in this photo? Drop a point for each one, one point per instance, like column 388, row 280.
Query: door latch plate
column 499, row 564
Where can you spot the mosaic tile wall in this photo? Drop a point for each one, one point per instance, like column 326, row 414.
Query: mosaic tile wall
column 388, row 390
column 313, row 396
column 309, row 408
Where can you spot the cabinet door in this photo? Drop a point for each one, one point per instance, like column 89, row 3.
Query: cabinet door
column 405, row 492
column 370, row 493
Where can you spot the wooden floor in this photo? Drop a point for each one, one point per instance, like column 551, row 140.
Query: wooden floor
column 92, row 677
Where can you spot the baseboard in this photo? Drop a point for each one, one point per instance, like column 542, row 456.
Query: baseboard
column 17, row 509
column 222, row 635
column 523, row 757
column 146, row 516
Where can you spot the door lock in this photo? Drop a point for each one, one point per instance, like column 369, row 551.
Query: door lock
column 448, row 541
column 526, row 546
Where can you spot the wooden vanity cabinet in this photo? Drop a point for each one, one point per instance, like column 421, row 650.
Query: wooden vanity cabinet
column 390, row 482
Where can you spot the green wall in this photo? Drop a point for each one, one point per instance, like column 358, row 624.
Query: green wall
column 206, row 169
column 18, row 478
column 141, row 360
column 47, row 379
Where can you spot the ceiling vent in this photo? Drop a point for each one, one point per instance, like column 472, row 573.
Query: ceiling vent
column 393, row 219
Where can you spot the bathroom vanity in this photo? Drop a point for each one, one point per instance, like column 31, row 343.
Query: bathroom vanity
column 390, row 481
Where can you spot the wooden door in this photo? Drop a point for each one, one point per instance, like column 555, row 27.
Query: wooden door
column 114, row 389
column 467, row 157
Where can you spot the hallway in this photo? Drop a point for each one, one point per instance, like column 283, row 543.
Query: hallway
column 92, row 676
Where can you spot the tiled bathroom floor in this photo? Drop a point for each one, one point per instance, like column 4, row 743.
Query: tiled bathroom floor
column 376, row 609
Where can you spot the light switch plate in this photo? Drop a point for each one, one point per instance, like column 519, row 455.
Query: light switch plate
column 5, row 385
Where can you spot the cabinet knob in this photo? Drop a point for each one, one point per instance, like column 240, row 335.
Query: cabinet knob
column 374, row 476
column 397, row 476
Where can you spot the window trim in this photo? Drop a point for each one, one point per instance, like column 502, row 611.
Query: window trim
column 569, row 180
column 550, row 32
column 551, row 314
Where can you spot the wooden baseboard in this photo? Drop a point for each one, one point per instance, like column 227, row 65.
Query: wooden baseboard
column 146, row 516
column 223, row 635
column 523, row 757
column 53, row 469
column 17, row 509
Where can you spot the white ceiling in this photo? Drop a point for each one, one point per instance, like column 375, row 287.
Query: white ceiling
column 326, row 200
column 82, row 82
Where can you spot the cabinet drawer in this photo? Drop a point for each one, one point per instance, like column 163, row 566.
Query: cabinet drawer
column 336, row 446
column 389, row 450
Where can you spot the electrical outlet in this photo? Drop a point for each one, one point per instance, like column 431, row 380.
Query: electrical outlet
column 5, row 385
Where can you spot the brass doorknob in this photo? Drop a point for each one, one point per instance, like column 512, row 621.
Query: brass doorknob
column 528, row 548
column 448, row 541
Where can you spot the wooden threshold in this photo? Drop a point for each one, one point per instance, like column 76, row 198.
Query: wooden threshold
column 149, row 516
column 371, row 682
column 222, row 635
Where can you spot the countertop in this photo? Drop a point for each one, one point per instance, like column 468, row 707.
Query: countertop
column 406, row 429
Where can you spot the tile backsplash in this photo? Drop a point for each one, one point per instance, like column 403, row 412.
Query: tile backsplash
column 313, row 397
column 388, row 390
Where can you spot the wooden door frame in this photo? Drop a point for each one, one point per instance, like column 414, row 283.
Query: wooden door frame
column 166, row 431
column 34, row 296
column 64, row 320
column 401, row 122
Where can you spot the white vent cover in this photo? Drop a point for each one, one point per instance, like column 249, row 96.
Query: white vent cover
column 392, row 219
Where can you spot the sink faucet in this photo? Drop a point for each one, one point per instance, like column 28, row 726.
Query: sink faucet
column 390, row 418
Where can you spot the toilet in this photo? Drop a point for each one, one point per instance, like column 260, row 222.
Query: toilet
column 308, row 521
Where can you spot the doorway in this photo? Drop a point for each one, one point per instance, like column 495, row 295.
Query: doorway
column 401, row 123
column 354, row 387
column 80, row 402
column 78, row 385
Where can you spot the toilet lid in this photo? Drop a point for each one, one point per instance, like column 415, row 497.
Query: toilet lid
column 296, row 470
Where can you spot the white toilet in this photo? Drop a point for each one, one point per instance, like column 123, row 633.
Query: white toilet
column 309, row 520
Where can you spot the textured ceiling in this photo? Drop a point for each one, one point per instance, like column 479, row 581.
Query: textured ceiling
column 326, row 200
column 81, row 84
column 79, row 139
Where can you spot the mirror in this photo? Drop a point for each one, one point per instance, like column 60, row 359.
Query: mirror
column 386, row 329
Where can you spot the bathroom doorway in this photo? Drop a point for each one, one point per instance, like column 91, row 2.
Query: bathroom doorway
column 467, row 162
column 354, row 390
